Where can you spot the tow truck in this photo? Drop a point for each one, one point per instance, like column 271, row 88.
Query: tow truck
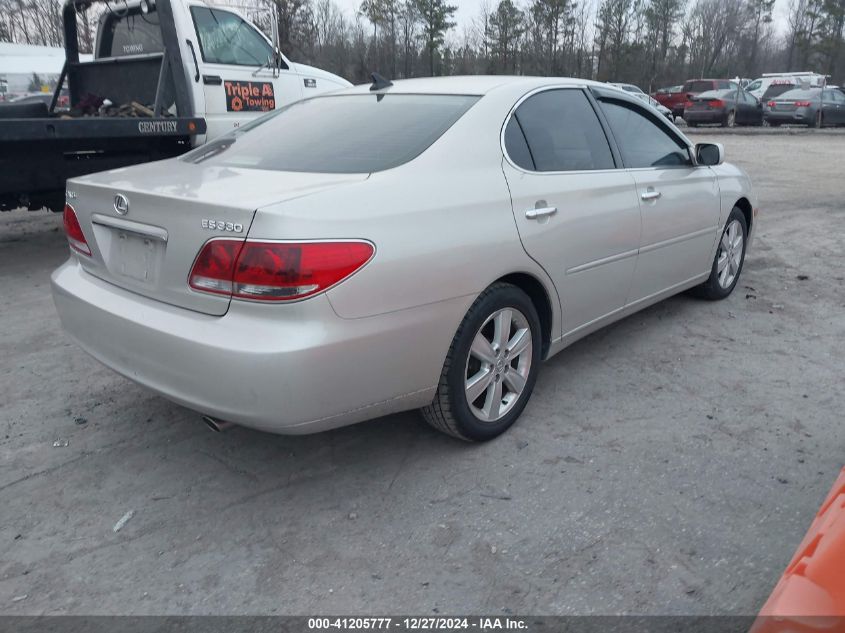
column 166, row 76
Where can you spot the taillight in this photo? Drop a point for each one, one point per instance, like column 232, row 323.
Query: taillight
column 716, row 103
column 276, row 271
column 214, row 267
column 771, row 104
column 802, row 104
column 73, row 231
column 687, row 105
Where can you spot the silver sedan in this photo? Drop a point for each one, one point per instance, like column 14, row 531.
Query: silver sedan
column 422, row 244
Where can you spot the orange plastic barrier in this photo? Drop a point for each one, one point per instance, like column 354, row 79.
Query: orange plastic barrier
column 810, row 596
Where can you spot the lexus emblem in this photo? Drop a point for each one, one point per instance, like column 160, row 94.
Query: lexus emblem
column 121, row 204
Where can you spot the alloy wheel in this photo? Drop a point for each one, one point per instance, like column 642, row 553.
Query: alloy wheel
column 730, row 254
column 498, row 364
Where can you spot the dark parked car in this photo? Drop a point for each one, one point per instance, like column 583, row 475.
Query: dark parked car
column 694, row 87
column 727, row 108
column 815, row 107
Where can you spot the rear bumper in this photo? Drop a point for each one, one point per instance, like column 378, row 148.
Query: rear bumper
column 704, row 116
column 297, row 368
column 802, row 118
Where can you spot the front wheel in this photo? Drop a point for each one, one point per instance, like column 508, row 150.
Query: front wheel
column 730, row 256
column 490, row 368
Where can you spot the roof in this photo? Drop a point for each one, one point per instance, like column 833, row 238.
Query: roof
column 28, row 64
column 469, row 84
column 29, row 50
column 25, row 59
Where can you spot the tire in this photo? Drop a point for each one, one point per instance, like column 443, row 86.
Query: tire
column 451, row 410
column 730, row 120
column 719, row 284
column 818, row 122
column 774, row 124
column 692, row 124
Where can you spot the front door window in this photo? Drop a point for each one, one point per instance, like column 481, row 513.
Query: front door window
column 225, row 38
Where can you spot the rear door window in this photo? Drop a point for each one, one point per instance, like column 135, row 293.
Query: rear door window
column 562, row 132
column 225, row 38
column 129, row 32
column 517, row 147
column 642, row 141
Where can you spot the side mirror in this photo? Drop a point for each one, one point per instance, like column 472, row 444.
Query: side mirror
column 709, row 154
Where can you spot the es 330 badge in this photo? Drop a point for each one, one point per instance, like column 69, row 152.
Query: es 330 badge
column 222, row 225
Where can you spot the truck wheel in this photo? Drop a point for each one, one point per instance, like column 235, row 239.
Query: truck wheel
column 730, row 256
column 491, row 366
column 56, row 204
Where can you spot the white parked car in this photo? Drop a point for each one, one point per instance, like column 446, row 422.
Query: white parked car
column 423, row 244
column 646, row 98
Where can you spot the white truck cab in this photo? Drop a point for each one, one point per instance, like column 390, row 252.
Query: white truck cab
column 234, row 71
column 167, row 75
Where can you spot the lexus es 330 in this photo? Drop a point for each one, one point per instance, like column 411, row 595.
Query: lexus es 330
column 422, row 244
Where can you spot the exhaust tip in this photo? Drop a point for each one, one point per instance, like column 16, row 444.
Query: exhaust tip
column 218, row 426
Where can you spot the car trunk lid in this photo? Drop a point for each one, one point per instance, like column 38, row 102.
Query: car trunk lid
column 145, row 226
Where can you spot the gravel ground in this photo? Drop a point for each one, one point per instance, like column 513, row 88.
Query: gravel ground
column 668, row 464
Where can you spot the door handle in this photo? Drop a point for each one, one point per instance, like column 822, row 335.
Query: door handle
column 650, row 195
column 212, row 80
column 533, row 214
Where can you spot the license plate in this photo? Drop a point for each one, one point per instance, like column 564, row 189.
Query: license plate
column 137, row 256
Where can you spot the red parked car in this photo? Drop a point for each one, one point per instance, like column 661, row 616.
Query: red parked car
column 678, row 100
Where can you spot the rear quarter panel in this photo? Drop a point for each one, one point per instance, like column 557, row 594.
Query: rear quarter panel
column 442, row 223
column 734, row 184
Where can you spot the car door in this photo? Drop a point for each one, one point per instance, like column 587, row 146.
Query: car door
column 577, row 214
column 751, row 110
column 239, row 81
column 679, row 201
column 833, row 103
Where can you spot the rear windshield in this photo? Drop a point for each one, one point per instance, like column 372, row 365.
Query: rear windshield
column 129, row 33
column 698, row 86
column 776, row 90
column 629, row 88
column 716, row 94
column 339, row 134
column 800, row 94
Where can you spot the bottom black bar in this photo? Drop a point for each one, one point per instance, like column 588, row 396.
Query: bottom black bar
column 406, row 624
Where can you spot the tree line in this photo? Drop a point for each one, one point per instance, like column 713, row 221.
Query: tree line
column 651, row 43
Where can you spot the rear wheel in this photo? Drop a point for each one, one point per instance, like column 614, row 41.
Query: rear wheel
column 818, row 123
column 491, row 366
column 730, row 120
column 730, row 256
